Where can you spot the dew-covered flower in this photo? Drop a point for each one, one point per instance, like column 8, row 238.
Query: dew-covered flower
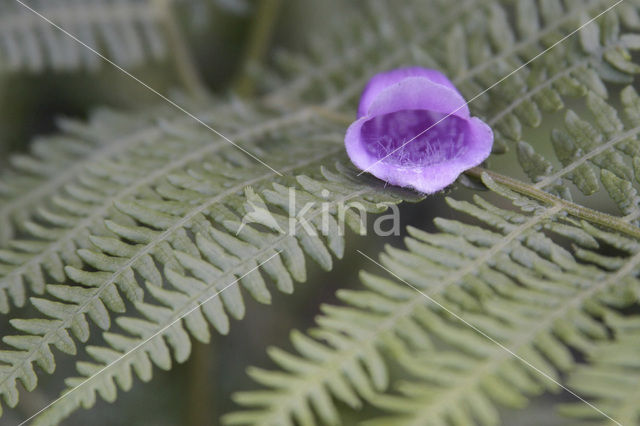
column 414, row 129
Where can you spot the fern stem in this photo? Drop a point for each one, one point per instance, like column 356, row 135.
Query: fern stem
column 201, row 401
column 259, row 39
column 336, row 117
column 184, row 60
column 582, row 212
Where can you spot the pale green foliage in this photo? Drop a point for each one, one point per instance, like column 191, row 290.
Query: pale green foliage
column 146, row 208
column 613, row 378
column 128, row 32
column 34, row 187
column 161, row 205
column 215, row 261
column 508, row 279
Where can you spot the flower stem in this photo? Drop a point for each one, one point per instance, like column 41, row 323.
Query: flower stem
column 259, row 39
column 184, row 61
column 336, row 117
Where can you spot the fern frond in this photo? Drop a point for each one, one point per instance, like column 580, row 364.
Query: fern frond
column 511, row 281
column 68, row 184
column 591, row 155
column 336, row 67
column 612, row 377
column 200, row 275
column 150, row 202
column 128, row 32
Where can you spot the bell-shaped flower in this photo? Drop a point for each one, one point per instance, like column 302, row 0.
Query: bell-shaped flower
column 414, row 129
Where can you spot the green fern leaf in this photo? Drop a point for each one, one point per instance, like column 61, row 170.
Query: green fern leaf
column 511, row 282
column 612, row 377
column 201, row 276
column 167, row 215
column 129, row 33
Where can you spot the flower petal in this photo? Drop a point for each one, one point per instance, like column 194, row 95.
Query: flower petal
column 419, row 93
column 383, row 80
column 355, row 149
column 479, row 142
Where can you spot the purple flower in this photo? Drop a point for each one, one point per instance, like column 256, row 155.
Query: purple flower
column 390, row 138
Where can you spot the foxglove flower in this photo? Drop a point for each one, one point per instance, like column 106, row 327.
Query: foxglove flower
column 390, row 138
